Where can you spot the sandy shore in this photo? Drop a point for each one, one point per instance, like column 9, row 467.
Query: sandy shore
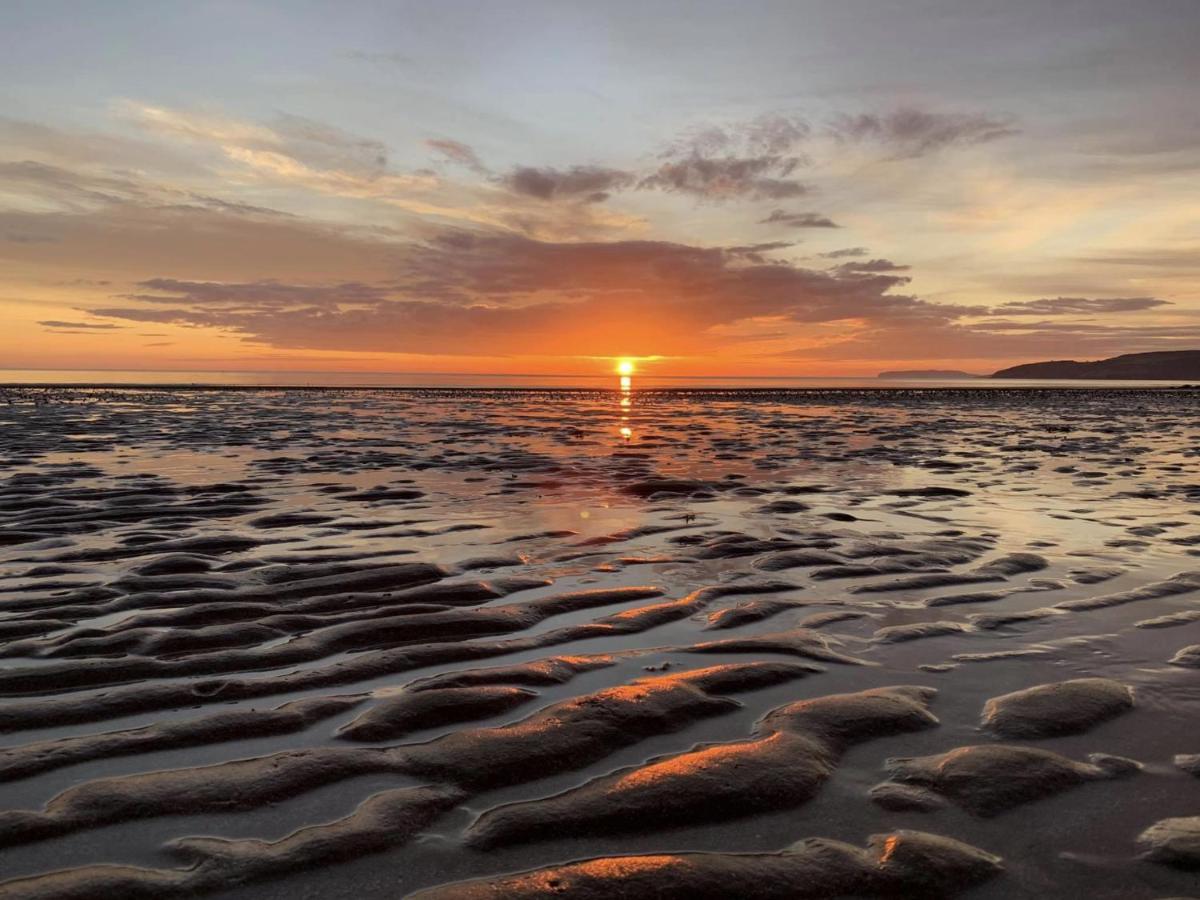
column 459, row 644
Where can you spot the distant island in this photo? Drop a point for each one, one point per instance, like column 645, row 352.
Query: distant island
column 1167, row 365
column 927, row 373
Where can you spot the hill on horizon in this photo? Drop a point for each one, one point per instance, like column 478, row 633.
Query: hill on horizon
column 928, row 373
column 1165, row 365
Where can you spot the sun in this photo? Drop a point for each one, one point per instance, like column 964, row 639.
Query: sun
column 625, row 367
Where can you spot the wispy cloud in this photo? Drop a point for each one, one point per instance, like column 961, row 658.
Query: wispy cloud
column 911, row 132
column 54, row 323
column 289, row 149
column 588, row 183
column 728, row 178
column 1059, row 306
column 798, row 220
column 456, row 152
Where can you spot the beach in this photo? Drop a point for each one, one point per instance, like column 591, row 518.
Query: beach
column 264, row 643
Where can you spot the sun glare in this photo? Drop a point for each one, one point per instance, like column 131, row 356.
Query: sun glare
column 625, row 367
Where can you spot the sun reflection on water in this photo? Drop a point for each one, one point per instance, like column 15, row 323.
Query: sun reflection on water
column 625, row 398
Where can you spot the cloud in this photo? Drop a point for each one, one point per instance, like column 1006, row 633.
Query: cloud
column 126, row 240
column 489, row 293
column 53, row 323
column 1059, row 306
column 303, row 155
column 542, row 268
column 772, row 134
column 290, row 149
column 997, row 339
column 727, row 178
column 68, row 189
column 910, row 132
column 798, row 220
column 758, row 159
column 307, row 142
column 35, row 140
column 588, row 183
column 266, row 294
column 870, row 266
column 456, row 152
column 757, row 253
column 78, row 191
column 752, row 160
column 322, row 146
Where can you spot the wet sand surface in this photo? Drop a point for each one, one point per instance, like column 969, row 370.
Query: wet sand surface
column 371, row 643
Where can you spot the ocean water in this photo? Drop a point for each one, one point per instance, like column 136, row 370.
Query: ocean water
column 104, row 377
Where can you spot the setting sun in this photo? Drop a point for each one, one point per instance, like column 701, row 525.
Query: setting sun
column 625, row 367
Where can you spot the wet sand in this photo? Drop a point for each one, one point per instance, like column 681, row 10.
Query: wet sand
column 807, row 643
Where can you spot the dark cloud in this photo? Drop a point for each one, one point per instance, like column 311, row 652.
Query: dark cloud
column 798, row 220
column 1058, row 306
column 910, row 132
column 588, row 183
column 496, row 294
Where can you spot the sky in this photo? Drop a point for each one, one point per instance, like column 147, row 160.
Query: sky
column 812, row 187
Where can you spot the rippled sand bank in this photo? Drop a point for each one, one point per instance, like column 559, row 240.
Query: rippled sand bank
column 264, row 643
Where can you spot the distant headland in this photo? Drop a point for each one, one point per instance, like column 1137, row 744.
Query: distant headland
column 1168, row 365
column 1165, row 365
column 938, row 374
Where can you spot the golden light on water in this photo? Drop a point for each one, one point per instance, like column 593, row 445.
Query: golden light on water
column 625, row 369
